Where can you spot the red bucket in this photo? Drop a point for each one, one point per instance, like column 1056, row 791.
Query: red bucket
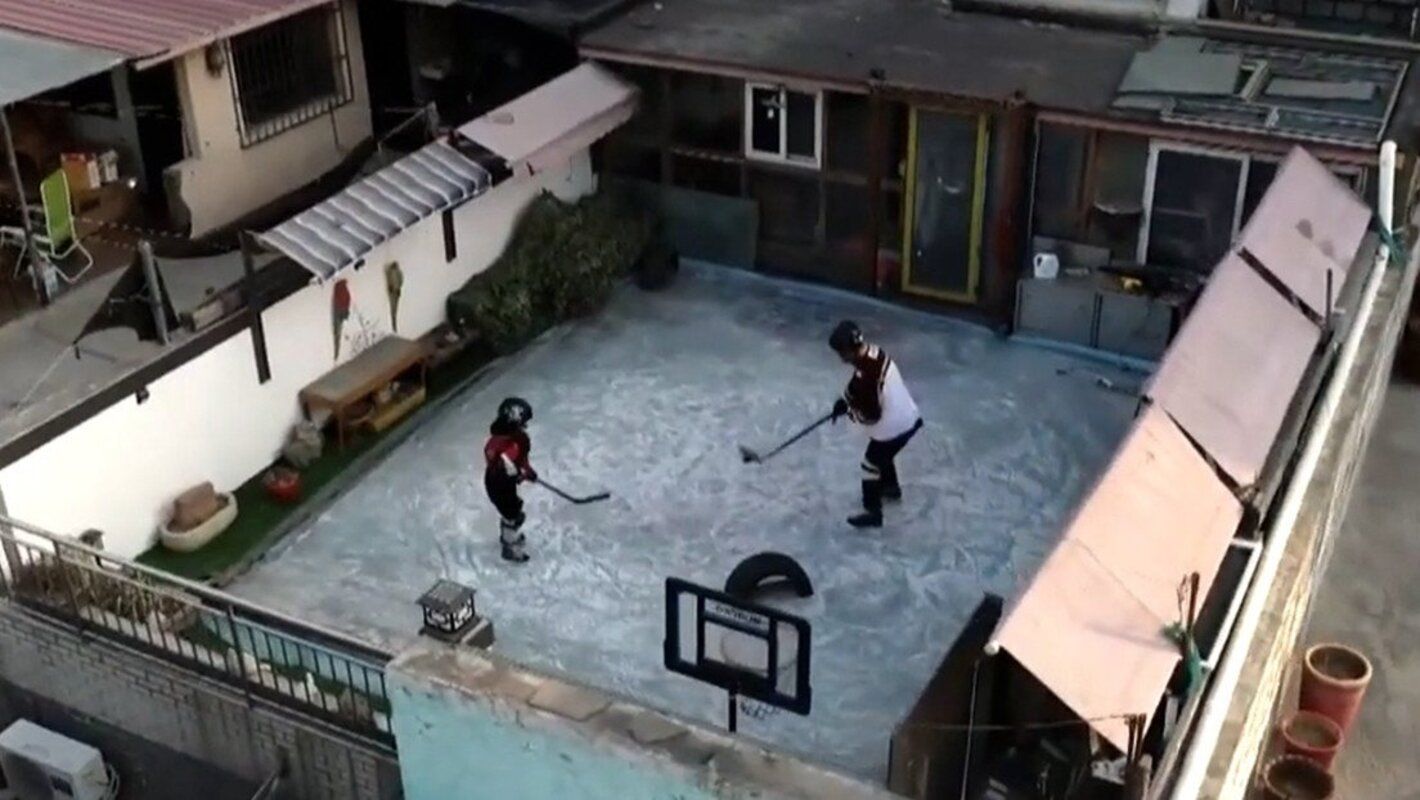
column 1316, row 736
column 1334, row 681
column 283, row 485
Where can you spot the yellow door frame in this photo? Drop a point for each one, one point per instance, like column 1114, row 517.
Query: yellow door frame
column 978, row 210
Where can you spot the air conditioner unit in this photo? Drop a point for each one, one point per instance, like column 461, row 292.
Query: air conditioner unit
column 40, row 764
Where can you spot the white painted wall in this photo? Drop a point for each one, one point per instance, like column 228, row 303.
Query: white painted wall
column 221, row 180
column 210, row 419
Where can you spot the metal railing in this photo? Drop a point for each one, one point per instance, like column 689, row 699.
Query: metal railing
column 264, row 654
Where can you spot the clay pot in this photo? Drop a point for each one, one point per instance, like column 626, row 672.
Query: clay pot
column 1296, row 778
column 1334, row 681
column 1316, row 736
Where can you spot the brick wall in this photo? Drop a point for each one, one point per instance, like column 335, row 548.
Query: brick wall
column 186, row 713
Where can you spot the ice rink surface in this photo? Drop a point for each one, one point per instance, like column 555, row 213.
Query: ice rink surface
column 650, row 399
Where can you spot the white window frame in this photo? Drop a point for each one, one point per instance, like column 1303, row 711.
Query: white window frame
column 1353, row 175
column 1156, row 147
column 783, row 156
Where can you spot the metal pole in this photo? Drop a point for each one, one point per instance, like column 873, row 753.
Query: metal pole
column 14, row 163
column 155, row 291
column 734, row 713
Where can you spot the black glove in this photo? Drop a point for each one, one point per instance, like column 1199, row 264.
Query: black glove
column 529, row 474
column 840, row 409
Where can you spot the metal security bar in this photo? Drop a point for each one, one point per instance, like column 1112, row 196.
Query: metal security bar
column 289, row 72
column 265, row 655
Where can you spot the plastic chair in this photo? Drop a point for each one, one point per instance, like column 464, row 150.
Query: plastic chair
column 60, row 239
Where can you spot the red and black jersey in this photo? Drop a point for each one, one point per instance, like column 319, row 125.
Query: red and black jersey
column 506, row 452
column 865, row 390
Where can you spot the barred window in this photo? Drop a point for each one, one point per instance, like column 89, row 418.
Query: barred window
column 289, row 72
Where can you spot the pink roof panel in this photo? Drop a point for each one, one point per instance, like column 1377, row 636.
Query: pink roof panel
column 145, row 28
column 1232, row 371
column 1090, row 625
column 545, row 126
column 1307, row 225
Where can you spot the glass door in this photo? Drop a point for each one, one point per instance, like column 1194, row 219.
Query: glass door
column 946, row 195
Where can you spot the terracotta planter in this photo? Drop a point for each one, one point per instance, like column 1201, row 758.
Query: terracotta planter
column 1334, row 681
column 1296, row 778
column 1316, row 736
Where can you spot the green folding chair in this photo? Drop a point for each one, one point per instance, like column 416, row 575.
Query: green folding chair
column 60, row 239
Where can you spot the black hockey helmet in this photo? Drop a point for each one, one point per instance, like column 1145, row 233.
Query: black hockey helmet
column 515, row 410
column 846, row 337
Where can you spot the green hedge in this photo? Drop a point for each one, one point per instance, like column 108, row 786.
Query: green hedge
column 562, row 262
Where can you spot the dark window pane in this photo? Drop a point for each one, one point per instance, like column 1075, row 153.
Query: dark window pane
column 1195, row 198
column 764, row 121
column 632, row 161
column 1259, row 177
column 647, row 121
column 846, row 123
column 709, row 112
column 1117, row 206
column 943, row 202
column 1060, row 171
column 803, row 125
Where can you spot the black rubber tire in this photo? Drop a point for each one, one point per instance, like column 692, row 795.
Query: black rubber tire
column 767, row 570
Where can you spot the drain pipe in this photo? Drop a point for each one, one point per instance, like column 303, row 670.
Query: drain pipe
column 1225, row 681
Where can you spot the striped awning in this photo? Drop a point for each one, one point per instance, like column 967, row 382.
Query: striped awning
column 340, row 231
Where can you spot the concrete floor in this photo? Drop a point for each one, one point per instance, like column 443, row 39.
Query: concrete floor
column 1369, row 598
column 649, row 399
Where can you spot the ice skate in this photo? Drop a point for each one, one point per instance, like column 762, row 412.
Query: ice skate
column 515, row 551
column 892, row 494
column 867, row 519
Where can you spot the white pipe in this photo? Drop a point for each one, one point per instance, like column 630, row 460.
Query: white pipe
column 1225, row 681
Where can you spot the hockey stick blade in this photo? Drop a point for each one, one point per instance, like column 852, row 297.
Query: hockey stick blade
column 749, row 456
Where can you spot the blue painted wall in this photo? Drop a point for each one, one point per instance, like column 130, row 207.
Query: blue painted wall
column 454, row 748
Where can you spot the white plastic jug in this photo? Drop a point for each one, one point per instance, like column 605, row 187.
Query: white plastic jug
column 1047, row 266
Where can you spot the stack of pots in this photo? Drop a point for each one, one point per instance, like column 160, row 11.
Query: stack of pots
column 1334, row 681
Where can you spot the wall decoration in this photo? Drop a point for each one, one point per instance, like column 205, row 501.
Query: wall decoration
column 339, row 311
column 394, row 285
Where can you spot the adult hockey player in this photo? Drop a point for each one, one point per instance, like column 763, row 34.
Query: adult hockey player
column 506, row 465
column 878, row 400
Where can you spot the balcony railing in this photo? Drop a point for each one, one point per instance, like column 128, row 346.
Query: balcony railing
column 265, row 655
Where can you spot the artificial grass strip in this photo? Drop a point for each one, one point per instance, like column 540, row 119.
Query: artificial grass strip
column 259, row 518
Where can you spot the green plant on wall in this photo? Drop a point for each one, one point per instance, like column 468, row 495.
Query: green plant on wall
column 563, row 261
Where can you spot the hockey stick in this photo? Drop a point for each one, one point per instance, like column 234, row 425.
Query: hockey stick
column 580, row 501
column 751, row 457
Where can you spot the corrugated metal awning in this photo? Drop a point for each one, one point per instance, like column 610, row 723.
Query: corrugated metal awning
column 1231, row 373
column 1307, row 227
column 31, row 65
column 155, row 30
column 339, row 231
column 545, row 126
column 1090, row 626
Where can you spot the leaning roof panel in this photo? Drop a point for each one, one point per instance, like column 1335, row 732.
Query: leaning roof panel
column 146, row 29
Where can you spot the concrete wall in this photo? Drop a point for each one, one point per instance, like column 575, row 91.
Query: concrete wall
column 211, row 420
column 221, row 181
column 472, row 725
column 203, row 721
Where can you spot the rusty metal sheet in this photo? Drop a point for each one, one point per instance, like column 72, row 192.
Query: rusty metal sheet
column 1232, row 371
column 1307, row 225
column 1090, row 625
column 145, row 28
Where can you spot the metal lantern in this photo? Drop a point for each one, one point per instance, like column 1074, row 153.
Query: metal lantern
column 448, row 610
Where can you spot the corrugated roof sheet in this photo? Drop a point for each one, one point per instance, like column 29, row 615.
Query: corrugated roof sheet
column 339, row 231
column 1091, row 624
column 32, row 64
column 145, row 28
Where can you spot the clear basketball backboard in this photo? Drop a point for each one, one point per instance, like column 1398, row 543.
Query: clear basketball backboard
column 747, row 649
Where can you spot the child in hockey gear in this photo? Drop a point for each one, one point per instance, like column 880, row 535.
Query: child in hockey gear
column 877, row 399
column 506, row 465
